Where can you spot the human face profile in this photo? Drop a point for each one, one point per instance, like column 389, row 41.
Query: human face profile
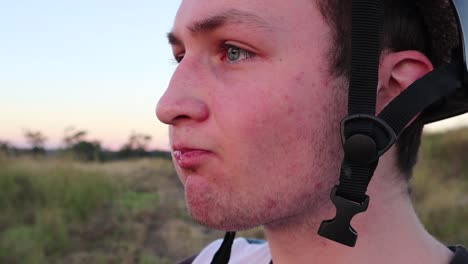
column 253, row 111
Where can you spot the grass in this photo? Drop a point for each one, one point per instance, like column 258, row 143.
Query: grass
column 62, row 211
column 40, row 201
column 441, row 186
column 133, row 203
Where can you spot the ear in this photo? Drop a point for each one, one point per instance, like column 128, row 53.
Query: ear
column 397, row 71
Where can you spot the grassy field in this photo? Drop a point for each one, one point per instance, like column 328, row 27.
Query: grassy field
column 440, row 185
column 61, row 211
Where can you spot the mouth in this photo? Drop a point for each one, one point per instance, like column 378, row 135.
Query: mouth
column 187, row 158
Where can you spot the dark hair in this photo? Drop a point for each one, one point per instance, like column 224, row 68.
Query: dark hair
column 419, row 25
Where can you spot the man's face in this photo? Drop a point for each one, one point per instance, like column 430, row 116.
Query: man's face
column 253, row 111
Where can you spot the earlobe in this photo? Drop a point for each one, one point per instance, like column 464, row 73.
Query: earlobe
column 398, row 70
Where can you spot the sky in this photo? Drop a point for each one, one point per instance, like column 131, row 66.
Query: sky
column 95, row 65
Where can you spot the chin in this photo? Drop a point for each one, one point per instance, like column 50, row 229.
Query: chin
column 216, row 214
column 223, row 223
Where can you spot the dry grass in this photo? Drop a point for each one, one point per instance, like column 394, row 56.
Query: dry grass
column 62, row 211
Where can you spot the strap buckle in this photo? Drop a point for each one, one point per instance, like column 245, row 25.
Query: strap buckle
column 339, row 229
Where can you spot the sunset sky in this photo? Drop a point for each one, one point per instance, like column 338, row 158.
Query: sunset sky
column 97, row 65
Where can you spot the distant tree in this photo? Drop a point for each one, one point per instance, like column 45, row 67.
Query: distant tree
column 36, row 140
column 73, row 136
column 6, row 148
column 87, row 151
column 75, row 142
column 136, row 146
column 4, row 145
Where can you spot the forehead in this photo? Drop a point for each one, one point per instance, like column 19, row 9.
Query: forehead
column 280, row 14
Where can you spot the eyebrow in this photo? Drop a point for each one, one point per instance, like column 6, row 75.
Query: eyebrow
column 229, row 17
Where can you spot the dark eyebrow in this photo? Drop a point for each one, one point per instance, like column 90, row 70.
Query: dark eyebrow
column 173, row 39
column 211, row 23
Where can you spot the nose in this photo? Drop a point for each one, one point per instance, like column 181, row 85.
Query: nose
column 174, row 110
column 183, row 100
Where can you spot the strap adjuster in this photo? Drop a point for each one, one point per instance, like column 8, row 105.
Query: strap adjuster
column 361, row 148
column 339, row 229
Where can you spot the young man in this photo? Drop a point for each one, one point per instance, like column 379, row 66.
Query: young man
column 254, row 110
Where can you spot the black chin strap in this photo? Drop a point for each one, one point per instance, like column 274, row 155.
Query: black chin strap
column 223, row 254
column 366, row 138
column 358, row 129
column 435, row 86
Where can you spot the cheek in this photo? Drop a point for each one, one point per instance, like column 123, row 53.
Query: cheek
column 278, row 125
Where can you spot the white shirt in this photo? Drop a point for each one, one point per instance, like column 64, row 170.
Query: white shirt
column 243, row 251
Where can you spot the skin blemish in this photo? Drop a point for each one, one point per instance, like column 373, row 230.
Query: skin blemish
column 326, row 82
column 271, row 204
column 299, row 77
column 318, row 186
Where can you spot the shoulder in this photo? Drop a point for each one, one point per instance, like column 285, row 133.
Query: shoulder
column 461, row 255
column 243, row 251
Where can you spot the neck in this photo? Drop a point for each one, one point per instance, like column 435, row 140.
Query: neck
column 389, row 232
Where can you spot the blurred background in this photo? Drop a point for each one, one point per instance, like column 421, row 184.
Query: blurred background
column 85, row 176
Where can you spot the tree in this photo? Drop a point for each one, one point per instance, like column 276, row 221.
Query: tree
column 6, row 148
column 37, row 140
column 82, row 149
column 87, row 151
column 136, row 146
column 73, row 136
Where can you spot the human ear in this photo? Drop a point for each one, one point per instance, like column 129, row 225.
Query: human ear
column 397, row 71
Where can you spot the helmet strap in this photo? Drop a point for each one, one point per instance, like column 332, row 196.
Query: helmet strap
column 367, row 137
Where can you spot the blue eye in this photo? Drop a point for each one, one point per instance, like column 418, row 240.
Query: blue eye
column 236, row 54
column 179, row 58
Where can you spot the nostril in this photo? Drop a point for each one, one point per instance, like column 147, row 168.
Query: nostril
column 181, row 117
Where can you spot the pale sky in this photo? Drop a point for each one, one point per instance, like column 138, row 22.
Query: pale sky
column 97, row 65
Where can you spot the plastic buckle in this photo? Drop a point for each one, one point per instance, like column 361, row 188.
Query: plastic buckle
column 362, row 148
column 339, row 229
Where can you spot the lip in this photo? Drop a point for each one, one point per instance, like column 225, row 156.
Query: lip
column 188, row 158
